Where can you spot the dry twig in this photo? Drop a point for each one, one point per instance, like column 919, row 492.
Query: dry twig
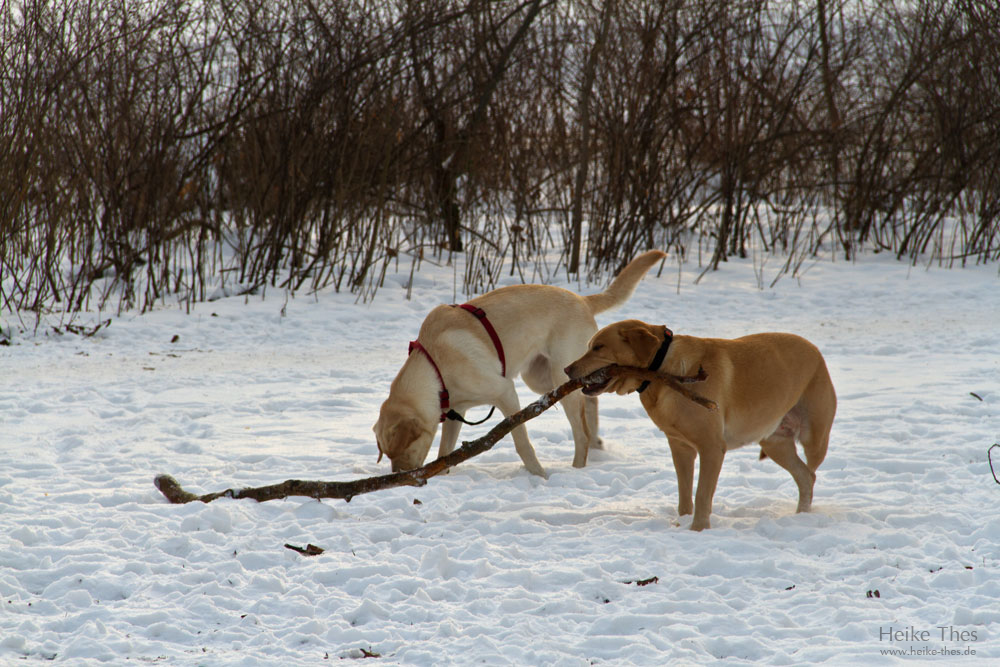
column 170, row 488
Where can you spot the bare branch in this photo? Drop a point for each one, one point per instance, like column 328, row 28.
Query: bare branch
column 170, row 488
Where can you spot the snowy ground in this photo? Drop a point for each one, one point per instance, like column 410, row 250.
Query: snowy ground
column 494, row 565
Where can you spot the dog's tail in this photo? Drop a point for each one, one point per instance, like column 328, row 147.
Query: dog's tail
column 621, row 288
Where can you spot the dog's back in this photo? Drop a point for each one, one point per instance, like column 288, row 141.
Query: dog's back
column 540, row 329
column 757, row 381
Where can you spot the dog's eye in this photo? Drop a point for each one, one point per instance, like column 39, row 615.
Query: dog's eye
column 597, row 347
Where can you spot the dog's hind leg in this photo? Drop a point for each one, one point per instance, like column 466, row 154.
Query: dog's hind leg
column 581, row 411
column 781, row 448
column 575, row 405
column 541, row 376
column 590, row 422
column 815, row 445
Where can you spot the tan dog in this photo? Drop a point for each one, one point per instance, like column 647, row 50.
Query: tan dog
column 541, row 328
column 771, row 388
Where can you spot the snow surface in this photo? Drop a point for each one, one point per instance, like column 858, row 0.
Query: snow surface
column 493, row 565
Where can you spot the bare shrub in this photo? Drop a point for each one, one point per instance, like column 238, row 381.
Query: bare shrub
column 183, row 150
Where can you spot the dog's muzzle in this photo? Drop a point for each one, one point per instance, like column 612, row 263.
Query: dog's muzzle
column 589, row 389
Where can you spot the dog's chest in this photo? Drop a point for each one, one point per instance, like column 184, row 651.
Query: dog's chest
column 661, row 410
column 682, row 419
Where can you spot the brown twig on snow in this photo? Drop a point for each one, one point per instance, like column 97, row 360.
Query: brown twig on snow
column 643, row 582
column 170, row 488
column 308, row 550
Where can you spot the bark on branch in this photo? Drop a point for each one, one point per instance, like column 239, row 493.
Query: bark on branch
column 170, row 488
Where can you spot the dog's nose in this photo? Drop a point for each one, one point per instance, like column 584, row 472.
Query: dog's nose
column 569, row 370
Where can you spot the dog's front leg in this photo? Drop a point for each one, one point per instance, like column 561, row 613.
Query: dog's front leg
column 709, row 467
column 509, row 405
column 449, row 436
column 684, row 456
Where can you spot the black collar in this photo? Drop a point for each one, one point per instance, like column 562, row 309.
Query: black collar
column 661, row 354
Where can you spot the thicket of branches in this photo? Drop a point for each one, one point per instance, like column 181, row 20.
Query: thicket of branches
column 197, row 147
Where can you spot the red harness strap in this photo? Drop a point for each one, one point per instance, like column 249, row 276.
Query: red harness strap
column 443, row 394
column 480, row 314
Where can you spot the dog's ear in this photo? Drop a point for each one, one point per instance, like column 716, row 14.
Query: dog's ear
column 399, row 437
column 643, row 342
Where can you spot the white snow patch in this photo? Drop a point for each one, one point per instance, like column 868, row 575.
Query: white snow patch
column 493, row 565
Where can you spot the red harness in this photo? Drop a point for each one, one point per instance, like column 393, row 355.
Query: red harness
column 480, row 314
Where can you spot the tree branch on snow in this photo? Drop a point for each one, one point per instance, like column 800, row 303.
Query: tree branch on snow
column 170, row 488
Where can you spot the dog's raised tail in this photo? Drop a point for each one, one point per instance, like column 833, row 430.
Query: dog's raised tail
column 621, row 288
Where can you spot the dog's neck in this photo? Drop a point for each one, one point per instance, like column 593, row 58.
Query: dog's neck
column 661, row 354
column 418, row 382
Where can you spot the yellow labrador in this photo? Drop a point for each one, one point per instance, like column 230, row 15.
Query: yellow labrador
column 468, row 356
column 771, row 388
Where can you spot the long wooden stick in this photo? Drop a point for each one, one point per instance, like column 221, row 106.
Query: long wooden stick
column 170, row 488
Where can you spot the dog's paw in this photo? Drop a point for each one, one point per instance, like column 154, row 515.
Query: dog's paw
column 539, row 470
column 700, row 525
